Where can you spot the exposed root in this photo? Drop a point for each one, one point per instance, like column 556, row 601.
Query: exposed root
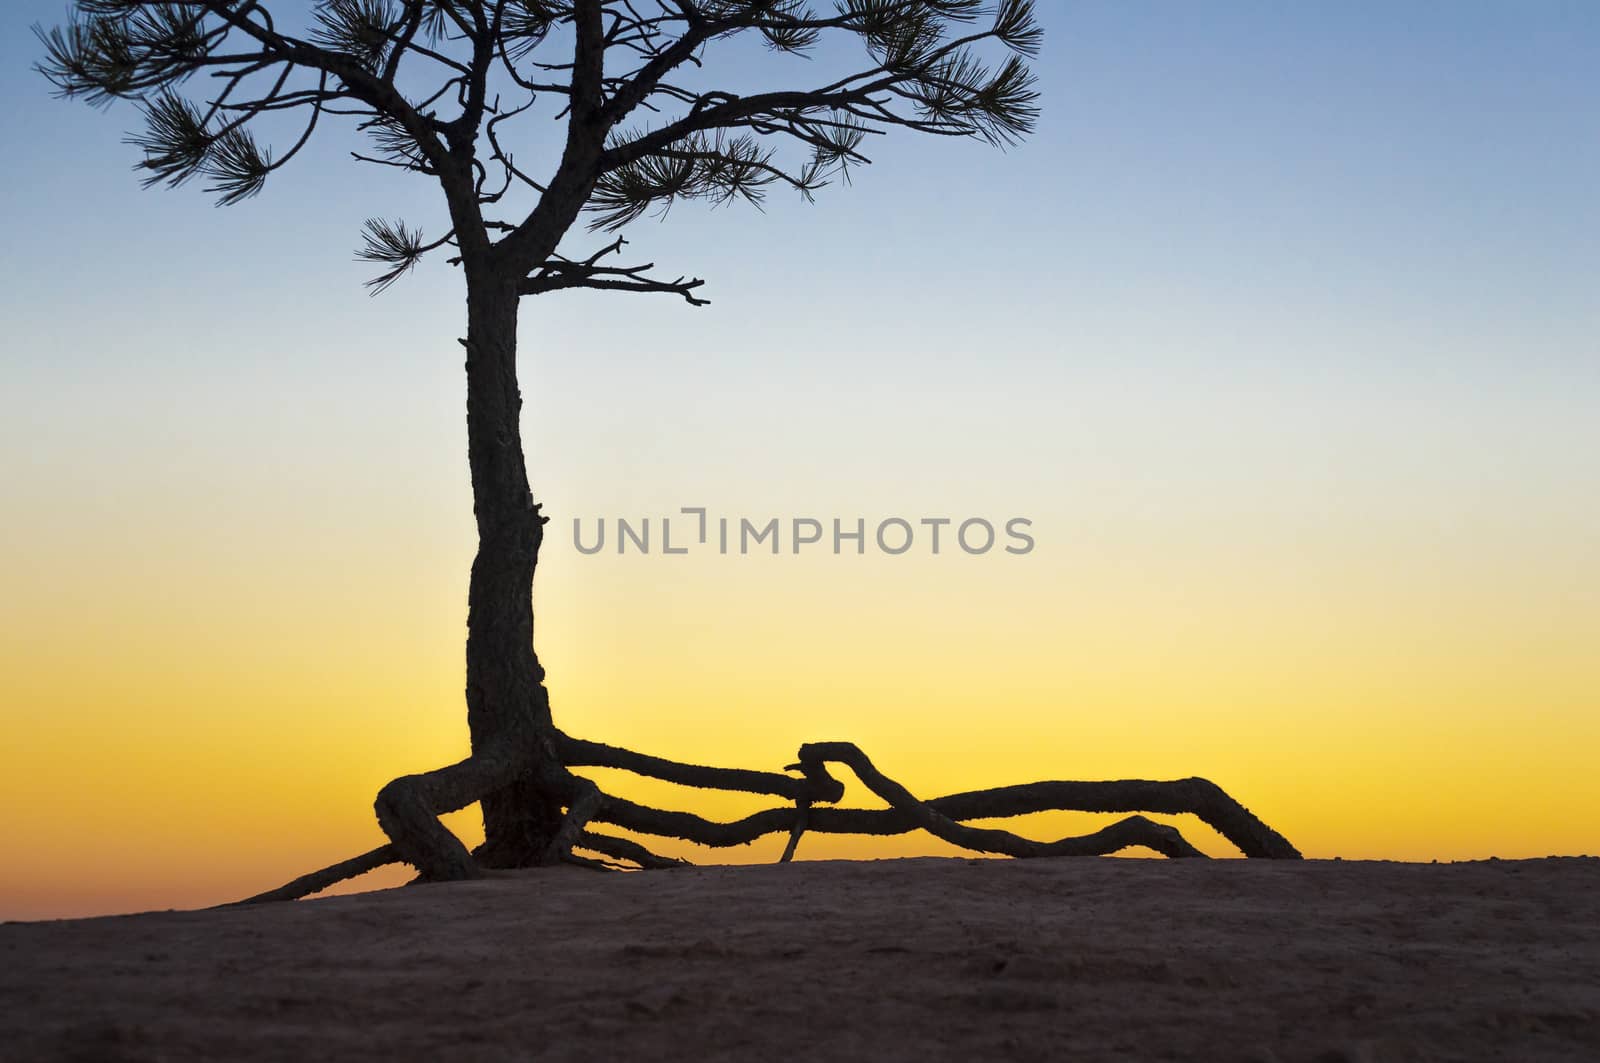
column 409, row 808
column 317, row 881
column 1136, row 830
column 581, row 753
column 802, row 815
column 591, row 863
column 1199, row 797
column 627, row 849
column 579, row 813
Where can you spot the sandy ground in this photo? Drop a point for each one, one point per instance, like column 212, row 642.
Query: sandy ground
column 904, row 959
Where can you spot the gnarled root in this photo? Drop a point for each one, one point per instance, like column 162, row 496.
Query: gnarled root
column 579, row 813
column 1198, row 797
column 1135, row 830
column 409, row 808
column 317, row 881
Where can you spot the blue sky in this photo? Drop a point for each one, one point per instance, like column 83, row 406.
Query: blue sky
column 1258, row 254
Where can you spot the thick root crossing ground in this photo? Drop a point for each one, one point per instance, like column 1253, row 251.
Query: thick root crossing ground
column 1082, row 959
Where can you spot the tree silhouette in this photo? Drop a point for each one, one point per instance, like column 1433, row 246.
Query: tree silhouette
column 436, row 86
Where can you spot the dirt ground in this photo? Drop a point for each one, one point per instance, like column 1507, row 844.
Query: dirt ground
column 1085, row 959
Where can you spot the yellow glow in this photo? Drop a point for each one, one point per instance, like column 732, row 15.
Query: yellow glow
column 196, row 728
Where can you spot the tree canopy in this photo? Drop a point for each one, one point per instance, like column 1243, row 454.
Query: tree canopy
column 232, row 90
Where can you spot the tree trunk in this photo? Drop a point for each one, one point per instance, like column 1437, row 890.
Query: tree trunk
column 508, row 708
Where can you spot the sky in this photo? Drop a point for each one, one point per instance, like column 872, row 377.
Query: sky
column 1282, row 331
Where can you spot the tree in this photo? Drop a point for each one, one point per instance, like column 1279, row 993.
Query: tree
column 435, row 85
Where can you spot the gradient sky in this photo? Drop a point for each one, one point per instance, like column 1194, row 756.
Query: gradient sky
column 1284, row 330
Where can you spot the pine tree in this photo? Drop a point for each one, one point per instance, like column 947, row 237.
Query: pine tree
column 437, row 88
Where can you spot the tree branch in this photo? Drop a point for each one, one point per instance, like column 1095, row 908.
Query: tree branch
column 559, row 273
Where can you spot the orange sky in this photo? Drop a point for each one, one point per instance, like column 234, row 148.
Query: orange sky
column 223, row 735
